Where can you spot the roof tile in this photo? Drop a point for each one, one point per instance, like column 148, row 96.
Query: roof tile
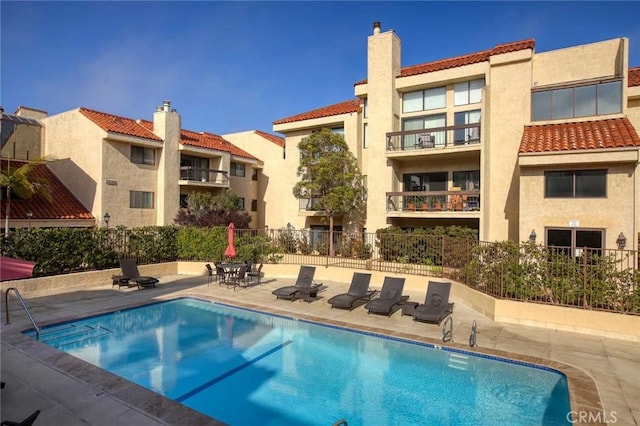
column 273, row 138
column 459, row 61
column 117, row 124
column 345, row 107
column 585, row 135
column 634, row 76
column 211, row 141
column 63, row 204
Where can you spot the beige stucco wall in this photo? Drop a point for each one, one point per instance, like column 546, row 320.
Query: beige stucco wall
column 295, row 132
column 273, row 179
column 75, row 145
column 613, row 214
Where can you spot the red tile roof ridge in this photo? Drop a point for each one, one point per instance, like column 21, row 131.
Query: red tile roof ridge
column 272, row 138
column 144, row 128
column 345, row 107
column 634, row 77
column 118, row 124
column 611, row 133
column 212, row 141
column 466, row 59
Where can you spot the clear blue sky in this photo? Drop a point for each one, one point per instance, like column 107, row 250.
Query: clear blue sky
column 236, row 66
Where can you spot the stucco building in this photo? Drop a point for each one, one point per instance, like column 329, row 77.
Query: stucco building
column 509, row 141
column 133, row 172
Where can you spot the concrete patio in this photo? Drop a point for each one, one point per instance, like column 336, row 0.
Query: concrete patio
column 72, row 392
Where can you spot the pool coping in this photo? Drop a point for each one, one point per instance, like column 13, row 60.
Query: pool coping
column 583, row 393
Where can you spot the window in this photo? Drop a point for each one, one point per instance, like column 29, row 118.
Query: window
column 254, row 205
column 425, row 181
column 573, row 241
column 237, row 169
column 141, row 155
column 468, row 92
column 423, row 100
column 365, row 108
column 241, row 203
column 254, row 174
column 365, row 186
column 140, row 200
column 468, row 134
column 194, row 168
column 576, row 184
column 579, row 101
column 467, row 181
column 365, row 143
column 429, row 122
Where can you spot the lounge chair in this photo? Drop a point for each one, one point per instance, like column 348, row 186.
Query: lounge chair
column 304, row 285
column 390, row 295
column 130, row 272
column 26, row 422
column 436, row 306
column 358, row 291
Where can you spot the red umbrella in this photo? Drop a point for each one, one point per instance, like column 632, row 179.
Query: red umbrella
column 14, row 269
column 231, row 250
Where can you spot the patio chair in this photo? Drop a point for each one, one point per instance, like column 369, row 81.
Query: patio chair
column 210, row 273
column 436, row 306
column 390, row 296
column 26, row 422
column 130, row 271
column 304, row 285
column 358, row 291
column 257, row 273
column 238, row 277
column 221, row 275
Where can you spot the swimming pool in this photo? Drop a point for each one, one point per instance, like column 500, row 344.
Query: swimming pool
column 244, row 367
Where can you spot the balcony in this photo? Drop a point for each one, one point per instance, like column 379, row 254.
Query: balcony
column 203, row 177
column 425, row 141
column 433, row 203
column 310, row 207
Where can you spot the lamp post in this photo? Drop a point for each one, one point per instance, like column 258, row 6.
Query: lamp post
column 532, row 236
column 107, row 218
column 29, row 216
column 621, row 241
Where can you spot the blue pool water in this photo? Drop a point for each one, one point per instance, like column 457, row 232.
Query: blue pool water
column 244, row 368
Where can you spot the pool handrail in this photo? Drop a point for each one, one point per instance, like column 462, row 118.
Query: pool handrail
column 24, row 305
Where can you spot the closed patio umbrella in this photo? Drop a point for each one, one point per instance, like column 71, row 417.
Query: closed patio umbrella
column 231, row 250
column 15, row 269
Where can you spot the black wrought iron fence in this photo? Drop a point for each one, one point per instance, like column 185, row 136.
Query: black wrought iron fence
column 585, row 278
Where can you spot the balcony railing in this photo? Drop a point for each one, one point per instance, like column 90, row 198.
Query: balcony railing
column 197, row 174
column 438, row 137
column 433, row 201
column 309, row 204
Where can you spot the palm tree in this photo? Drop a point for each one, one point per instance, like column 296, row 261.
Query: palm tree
column 18, row 180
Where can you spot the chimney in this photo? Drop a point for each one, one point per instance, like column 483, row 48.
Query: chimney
column 166, row 106
column 376, row 27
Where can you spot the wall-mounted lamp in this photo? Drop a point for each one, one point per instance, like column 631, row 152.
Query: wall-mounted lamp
column 107, row 218
column 532, row 236
column 29, row 216
column 621, row 241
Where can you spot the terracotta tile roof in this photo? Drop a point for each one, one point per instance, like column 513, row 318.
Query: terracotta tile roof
column 598, row 134
column 345, row 107
column 116, row 124
column 211, row 141
column 63, row 204
column 634, row 76
column 273, row 138
column 463, row 60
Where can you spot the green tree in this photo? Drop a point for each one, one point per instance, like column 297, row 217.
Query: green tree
column 207, row 209
column 19, row 181
column 329, row 174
